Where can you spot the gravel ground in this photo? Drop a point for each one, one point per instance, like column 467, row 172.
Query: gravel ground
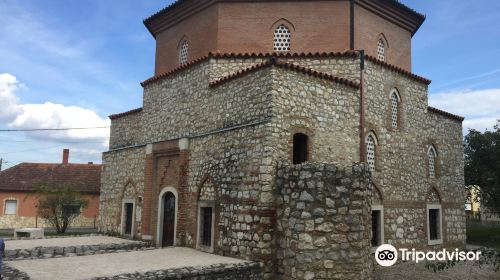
column 62, row 242
column 412, row 271
column 85, row 267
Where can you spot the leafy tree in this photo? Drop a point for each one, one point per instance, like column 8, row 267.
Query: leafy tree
column 482, row 165
column 59, row 205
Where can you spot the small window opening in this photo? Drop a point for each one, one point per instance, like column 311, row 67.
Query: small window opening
column 300, row 153
column 434, row 224
column 376, row 228
column 10, row 207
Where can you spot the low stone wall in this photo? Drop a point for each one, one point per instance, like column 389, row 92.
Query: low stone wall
column 15, row 221
column 71, row 251
column 246, row 270
column 323, row 221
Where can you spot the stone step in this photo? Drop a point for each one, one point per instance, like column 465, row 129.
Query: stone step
column 71, row 251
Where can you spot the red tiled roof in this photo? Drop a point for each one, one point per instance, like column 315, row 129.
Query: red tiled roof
column 289, row 66
column 446, row 114
column 27, row 176
column 398, row 70
column 133, row 111
column 285, row 55
column 177, row 69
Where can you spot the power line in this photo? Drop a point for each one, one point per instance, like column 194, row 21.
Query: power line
column 30, row 150
column 51, row 129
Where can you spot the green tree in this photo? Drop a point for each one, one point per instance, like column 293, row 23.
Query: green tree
column 59, row 205
column 482, row 165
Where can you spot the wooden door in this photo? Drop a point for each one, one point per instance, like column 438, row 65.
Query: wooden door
column 168, row 220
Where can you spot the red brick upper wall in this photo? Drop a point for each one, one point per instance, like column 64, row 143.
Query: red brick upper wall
column 248, row 26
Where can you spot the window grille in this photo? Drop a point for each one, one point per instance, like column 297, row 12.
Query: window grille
column 394, row 109
column 432, row 162
column 381, row 50
column 370, row 152
column 183, row 53
column 282, row 39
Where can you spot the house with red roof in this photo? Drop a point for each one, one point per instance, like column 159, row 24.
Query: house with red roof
column 18, row 186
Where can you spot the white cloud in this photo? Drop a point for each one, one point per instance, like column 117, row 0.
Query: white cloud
column 50, row 115
column 481, row 108
column 8, row 99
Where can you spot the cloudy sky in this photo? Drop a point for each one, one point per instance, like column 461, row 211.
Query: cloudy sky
column 73, row 63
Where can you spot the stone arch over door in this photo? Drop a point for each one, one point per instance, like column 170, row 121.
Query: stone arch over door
column 207, row 215
column 167, row 217
column 129, row 216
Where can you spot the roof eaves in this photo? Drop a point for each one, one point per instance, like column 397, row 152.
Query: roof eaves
column 446, row 114
column 398, row 69
column 130, row 112
column 176, row 69
column 289, row 66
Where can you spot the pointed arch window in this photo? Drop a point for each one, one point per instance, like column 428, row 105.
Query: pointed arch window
column 395, row 108
column 431, row 156
column 381, row 50
column 282, row 38
column 371, row 146
column 183, row 52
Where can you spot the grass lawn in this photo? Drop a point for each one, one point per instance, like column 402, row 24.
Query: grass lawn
column 487, row 235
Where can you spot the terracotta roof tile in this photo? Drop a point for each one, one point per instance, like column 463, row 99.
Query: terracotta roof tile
column 347, row 53
column 133, row 111
column 446, row 114
column 177, row 69
column 26, row 176
column 398, row 70
column 289, row 66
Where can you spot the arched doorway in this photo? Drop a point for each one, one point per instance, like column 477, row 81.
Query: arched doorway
column 167, row 218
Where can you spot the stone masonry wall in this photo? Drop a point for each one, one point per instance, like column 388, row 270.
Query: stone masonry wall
column 401, row 173
column 15, row 221
column 122, row 178
column 323, row 221
column 126, row 131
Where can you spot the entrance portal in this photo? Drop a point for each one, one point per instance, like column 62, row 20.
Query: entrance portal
column 168, row 230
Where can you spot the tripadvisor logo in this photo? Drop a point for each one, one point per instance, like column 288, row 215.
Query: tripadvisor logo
column 387, row 255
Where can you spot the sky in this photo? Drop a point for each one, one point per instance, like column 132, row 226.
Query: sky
column 73, row 63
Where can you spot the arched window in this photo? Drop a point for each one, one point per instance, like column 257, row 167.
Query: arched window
column 432, row 155
column 395, row 101
column 300, row 152
column 381, row 50
column 371, row 143
column 183, row 52
column 282, row 37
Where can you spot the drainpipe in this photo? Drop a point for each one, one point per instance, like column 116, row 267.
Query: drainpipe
column 351, row 25
column 362, row 147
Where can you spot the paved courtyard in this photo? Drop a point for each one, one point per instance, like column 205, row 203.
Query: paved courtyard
column 85, row 267
column 412, row 271
column 63, row 242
